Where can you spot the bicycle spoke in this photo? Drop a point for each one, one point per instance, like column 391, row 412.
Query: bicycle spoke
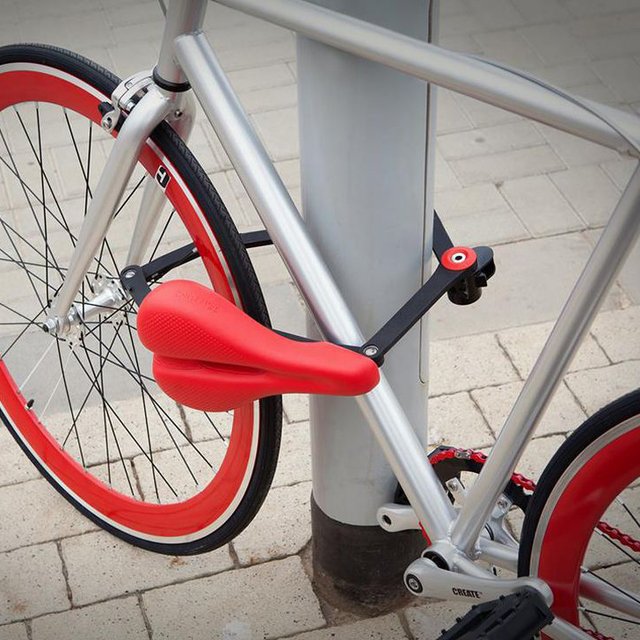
column 66, row 390
column 144, row 407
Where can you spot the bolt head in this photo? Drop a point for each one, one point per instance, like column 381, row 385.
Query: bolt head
column 371, row 351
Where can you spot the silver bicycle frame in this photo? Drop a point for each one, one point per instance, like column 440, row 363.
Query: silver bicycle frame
column 186, row 54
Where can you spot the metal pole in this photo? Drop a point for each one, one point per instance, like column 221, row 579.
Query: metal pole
column 366, row 178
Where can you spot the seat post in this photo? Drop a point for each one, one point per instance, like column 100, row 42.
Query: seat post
column 366, row 161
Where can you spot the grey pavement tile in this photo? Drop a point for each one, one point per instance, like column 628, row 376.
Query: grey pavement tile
column 628, row 276
column 495, row 14
column 618, row 333
column 622, row 75
column 271, row 99
column 537, row 455
column 590, row 191
column 285, row 308
column 42, row 515
column 294, row 462
column 507, row 164
column 428, row 621
column 563, row 414
column 573, row 150
column 17, row 631
column 508, row 47
column 465, row 363
column 101, row 567
column 487, row 140
column 450, row 116
column 553, row 43
column 519, row 293
column 279, row 131
column 15, row 467
column 540, row 205
column 620, row 170
column 454, row 420
column 31, row 583
column 595, row 388
column 296, row 407
column 281, row 528
column 541, row 11
column 524, row 344
column 383, row 628
column 277, row 600
column 116, row 619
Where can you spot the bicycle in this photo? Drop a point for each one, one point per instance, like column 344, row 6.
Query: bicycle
column 91, row 301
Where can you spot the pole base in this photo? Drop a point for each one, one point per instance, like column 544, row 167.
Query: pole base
column 360, row 568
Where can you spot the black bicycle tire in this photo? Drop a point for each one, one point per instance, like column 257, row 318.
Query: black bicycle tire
column 596, row 426
column 247, row 286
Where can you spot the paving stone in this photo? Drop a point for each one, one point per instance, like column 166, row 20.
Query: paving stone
column 542, row 11
column 464, row 363
column 508, row 47
column 271, row 99
column 497, row 226
column 522, row 291
column 31, row 583
column 17, row 631
column 524, row 344
column 450, row 116
column 279, row 131
column 296, row 407
column 15, row 467
column 572, row 74
column 495, row 14
column 281, row 528
column 255, row 78
column 590, row 191
column 540, row 205
column 285, row 308
column 537, row 455
column 622, row 75
column 454, row 420
column 294, row 462
column 428, row 621
column 617, row 333
column 563, row 414
column 383, row 628
column 627, row 282
column 487, row 140
column 575, row 151
column 100, row 567
column 116, row 619
column 43, row 514
column 482, row 114
column 595, row 388
column 508, row 164
column 277, row 600
column 553, row 43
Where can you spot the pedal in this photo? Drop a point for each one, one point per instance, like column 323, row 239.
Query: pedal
column 518, row 616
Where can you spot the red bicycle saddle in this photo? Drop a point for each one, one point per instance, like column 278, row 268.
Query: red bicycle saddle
column 210, row 355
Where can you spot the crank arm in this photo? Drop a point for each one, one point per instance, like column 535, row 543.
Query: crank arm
column 423, row 578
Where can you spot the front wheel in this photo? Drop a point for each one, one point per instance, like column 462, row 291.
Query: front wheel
column 85, row 407
column 582, row 530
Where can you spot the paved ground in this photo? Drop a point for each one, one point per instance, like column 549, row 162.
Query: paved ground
column 538, row 196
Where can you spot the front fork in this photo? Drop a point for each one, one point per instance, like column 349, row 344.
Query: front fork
column 153, row 107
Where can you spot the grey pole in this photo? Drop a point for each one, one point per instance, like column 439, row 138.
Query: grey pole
column 366, row 145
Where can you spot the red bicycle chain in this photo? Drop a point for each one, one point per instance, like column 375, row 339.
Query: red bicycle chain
column 530, row 485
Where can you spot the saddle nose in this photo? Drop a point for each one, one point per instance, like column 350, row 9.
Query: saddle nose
column 210, row 355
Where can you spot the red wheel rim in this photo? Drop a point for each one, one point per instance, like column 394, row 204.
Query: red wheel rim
column 182, row 521
column 576, row 514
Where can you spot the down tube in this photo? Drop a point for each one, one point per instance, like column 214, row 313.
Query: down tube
column 282, row 220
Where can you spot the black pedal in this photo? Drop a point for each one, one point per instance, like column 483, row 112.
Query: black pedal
column 518, row 616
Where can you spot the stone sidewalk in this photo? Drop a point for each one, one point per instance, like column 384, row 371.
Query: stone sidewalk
column 538, row 196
